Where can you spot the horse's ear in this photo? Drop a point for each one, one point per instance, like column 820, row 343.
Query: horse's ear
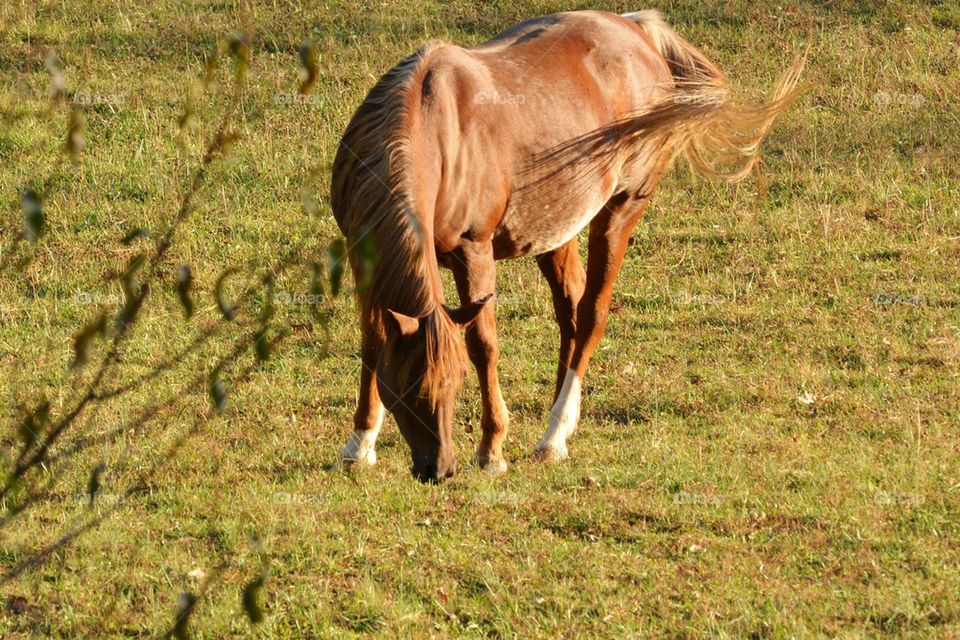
column 468, row 313
column 402, row 324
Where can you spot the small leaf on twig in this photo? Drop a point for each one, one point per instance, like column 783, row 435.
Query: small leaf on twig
column 33, row 424
column 227, row 310
column 189, row 111
column 75, row 127
column 185, row 607
column 268, row 307
column 317, row 286
column 311, row 204
column 58, row 83
column 184, row 283
column 336, row 257
column 251, row 600
column 218, row 391
column 128, row 279
column 220, row 145
column 239, row 48
column 210, row 66
column 261, row 344
column 251, row 593
column 310, row 67
column 134, row 294
column 135, row 234
column 81, row 344
column 34, row 221
column 93, row 486
column 130, row 310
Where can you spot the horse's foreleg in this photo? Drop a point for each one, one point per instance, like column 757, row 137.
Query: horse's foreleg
column 368, row 418
column 475, row 273
column 564, row 273
column 609, row 234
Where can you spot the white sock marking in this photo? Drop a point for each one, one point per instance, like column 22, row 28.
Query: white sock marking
column 360, row 446
column 563, row 416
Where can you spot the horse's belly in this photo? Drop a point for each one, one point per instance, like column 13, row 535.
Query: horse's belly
column 532, row 230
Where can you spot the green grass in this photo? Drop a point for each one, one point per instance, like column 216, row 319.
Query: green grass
column 769, row 440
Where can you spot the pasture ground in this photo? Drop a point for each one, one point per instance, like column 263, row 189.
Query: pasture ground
column 770, row 434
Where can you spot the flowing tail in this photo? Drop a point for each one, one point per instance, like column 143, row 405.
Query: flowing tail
column 700, row 119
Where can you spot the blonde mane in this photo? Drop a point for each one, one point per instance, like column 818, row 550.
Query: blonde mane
column 391, row 252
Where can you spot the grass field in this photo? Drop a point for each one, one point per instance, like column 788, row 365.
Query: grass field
column 771, row 428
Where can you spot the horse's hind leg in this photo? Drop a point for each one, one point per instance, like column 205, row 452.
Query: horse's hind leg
column 475, row 273
column 564, row 273
column 368, row 418
column 609, row 234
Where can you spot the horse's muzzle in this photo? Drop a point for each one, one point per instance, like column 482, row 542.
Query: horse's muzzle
column 434, row 472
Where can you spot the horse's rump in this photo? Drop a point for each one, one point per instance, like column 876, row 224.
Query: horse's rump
column 699, row 119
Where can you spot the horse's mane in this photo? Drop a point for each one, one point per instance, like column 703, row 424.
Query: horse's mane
column 391, row 253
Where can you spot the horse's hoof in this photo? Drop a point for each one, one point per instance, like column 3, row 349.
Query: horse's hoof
column 366, row 458
column 549, row 454
column 493, row 466
column 359, row 449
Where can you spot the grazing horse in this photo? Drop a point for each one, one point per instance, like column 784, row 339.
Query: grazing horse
column 460, row 157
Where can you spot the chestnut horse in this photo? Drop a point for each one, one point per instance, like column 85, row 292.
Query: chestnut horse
column 464, row 156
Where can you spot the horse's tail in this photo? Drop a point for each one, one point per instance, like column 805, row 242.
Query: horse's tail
column 699, row 117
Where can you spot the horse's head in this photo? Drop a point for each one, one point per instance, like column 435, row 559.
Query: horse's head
column 418, row 376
